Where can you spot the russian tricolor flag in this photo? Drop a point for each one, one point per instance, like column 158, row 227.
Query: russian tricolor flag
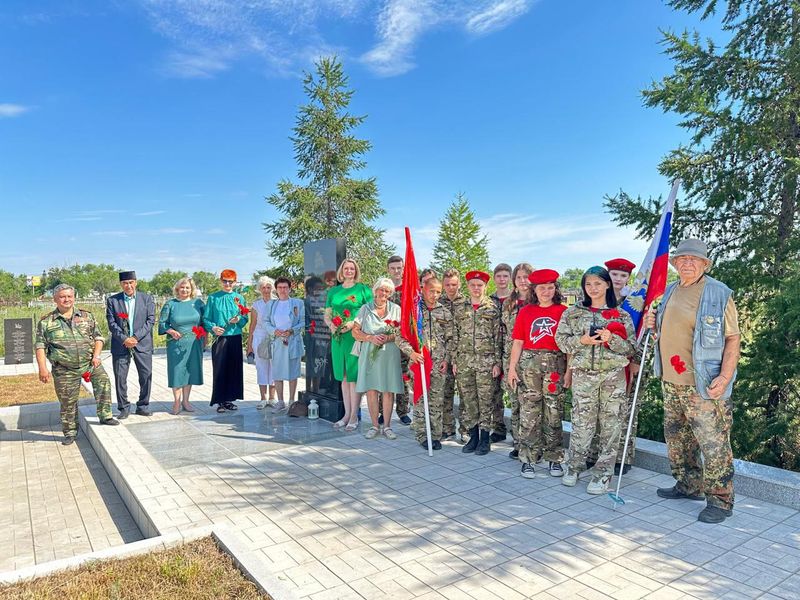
column 651, row 280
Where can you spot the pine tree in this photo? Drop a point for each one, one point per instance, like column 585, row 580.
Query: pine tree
column 741, row 175
column 460, row 244
column 330, row 203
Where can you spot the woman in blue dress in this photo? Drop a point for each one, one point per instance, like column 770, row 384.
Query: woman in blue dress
column 286, row 321
column 179, row 320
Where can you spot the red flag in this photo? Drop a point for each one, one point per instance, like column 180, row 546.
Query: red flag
column 411, row 319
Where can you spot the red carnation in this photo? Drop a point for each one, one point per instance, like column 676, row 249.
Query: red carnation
column 346, row 313
column 554, row 376
column 395, row 323
column 122, row 315
column 388, row 321
column 617, row 328
column 199, row 331
column 678, row 364
column 611, row 313
column 337, row 321
column 87, row 376
column 552, row 387
column 406, row 377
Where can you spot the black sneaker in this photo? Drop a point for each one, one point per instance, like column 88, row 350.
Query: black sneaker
column 230, row 406
column 68, row 439
column 437, row 445
column 497, row 437
column 556, row 470
column 674, row 493
column 714, row 514
column 514, row 454
column 143, row 411
column 109, row 421
column 528, row 472
column 405, row 420
column 123, row 414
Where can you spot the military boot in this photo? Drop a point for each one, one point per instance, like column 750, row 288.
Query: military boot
column 473, row 441
column 484, row 444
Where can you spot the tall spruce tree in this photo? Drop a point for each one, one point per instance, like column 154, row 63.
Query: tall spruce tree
column 740, row 168
column 460, row 244
column 330, row 203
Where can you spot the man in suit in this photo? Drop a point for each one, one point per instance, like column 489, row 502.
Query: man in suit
column 131, row 316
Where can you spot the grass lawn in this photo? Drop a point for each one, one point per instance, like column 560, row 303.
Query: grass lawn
column 198, row 570
column 27, row 389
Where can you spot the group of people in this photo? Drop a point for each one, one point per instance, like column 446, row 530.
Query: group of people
column 522, row 341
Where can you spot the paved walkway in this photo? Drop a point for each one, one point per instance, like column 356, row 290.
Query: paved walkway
column 55, row 501
column 338, row 516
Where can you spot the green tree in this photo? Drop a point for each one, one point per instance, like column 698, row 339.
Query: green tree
column 571, row 279
column 460, row 244
column 162, row 282
column 330, row 203
column 740, row 168
column 101, row 279
column 206, row 281
column 13, row 288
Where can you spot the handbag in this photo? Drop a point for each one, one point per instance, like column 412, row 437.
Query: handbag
column 356, row 349
column 264, row 349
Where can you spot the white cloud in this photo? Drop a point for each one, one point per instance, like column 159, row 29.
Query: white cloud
column 211, row 35
column 150, row 213
column 12, row 110
column 496, row 16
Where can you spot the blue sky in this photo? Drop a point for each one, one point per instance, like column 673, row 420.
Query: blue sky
column 147, row 133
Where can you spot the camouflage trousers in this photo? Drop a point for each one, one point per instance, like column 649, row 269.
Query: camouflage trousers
column 514, row 398
column 597, row 398
column 498, row 408
column 625, row 415
column 476, row 388
column 435, row 404
column 67, row 382
column 540, row 405
column 694, row 425
column 448, row 402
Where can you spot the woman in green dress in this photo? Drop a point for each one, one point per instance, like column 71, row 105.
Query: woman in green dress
column 379, row 373
column 179, row 321
column 341, row 307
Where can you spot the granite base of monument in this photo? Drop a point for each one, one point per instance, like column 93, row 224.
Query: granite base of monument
column 330, row 409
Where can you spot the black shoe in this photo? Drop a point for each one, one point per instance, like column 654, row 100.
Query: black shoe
column 618, row 467
column 230, row 406
column 424, row 444
column 473, row 441
column 437, row 445
column 123, row 414
column 449, row 435
column 380, row 419
column 405, row 420
column 109, row 421
column 514, row 454
column 714, row 514
column 143, row 411
column 498, row 437
column 528, row 472
column 68, row 439
column 484, row 444
column 674, row 493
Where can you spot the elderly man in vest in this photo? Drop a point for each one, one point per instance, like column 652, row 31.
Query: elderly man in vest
column 696, row 351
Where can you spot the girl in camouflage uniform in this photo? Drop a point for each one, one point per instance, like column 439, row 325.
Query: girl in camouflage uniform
column 599, row 337
column 542, row 366
column 508, row 316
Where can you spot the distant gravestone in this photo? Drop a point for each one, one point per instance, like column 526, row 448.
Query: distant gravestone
column 320, row 261
column 18, row 341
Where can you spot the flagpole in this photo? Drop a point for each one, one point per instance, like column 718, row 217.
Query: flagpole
column 425, row 407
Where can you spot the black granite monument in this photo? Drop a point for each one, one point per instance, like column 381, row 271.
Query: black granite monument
column 320, row 261
column 19, row 341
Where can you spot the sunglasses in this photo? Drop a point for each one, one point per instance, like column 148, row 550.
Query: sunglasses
column 228, row 281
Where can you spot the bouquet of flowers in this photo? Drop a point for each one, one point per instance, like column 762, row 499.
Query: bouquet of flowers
column 339, row 322
column 199, row 331
column 391, row 328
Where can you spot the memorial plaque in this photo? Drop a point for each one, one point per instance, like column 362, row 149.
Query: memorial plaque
column 18, row 340
column 320, row 261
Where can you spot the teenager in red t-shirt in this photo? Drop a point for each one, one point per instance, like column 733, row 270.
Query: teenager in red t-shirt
column 543, row 365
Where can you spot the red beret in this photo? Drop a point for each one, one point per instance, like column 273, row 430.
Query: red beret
column 543, row 276
column 484, row 277
column 620, row 264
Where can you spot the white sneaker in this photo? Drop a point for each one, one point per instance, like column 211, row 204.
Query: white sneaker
column 570, row 478
column 598, row 484
column 555, row 469
column 262, row 405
